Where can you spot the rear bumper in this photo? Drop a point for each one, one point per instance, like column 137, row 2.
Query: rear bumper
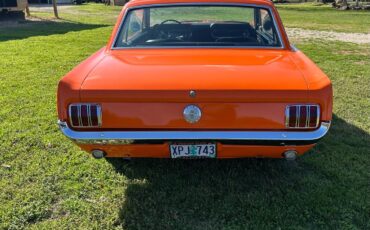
column 265, row 138
column 223, row 151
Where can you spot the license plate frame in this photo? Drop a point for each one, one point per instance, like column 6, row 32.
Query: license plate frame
column 193, row 150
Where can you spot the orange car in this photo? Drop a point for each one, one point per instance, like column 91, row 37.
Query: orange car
column 196, row 78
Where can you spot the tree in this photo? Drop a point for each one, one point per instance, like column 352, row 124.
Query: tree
column 55, row 8
column 28, row 10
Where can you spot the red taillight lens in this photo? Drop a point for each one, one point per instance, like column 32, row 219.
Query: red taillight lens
column 292, row 122
column 94, row 115
column 314, row 116
column 302, row 116
column 73, row 114
column 85, row 115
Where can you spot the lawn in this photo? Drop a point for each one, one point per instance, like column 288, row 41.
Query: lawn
column 46, row 182
column 324, row 17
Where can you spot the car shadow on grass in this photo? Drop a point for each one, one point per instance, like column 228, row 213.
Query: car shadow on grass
column 27, row 29
column 326, row 187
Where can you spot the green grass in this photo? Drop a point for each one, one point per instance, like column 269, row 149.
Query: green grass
column 87, row 13
column 324, row 17
column 46, row 182
column 202, row 14
column 304, row 15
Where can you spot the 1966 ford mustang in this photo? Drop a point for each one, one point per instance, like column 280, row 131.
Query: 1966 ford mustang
column 196, row 78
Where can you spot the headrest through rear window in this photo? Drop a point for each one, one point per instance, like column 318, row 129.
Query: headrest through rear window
column 222, row 30
column 174, row 27
column 266, row 22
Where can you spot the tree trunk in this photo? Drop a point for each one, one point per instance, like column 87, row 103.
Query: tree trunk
column 28, row 10
column 55, row 8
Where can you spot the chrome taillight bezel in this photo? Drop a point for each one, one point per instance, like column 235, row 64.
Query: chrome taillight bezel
column 298, row 116
column 89, row 115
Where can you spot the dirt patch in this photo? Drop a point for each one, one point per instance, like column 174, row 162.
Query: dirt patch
column 49, row 8
column 28, row 21
column 364, row 52
column 361, row 63
column 297, row 34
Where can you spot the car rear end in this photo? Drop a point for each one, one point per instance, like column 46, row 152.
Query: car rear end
column 160, row 91
column 242, row 108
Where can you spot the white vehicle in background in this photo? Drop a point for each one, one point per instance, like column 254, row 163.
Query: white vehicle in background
column 12, row 9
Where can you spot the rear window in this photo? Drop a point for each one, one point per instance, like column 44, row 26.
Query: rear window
column 201, row 25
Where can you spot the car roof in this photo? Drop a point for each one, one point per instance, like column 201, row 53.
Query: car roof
column 134, row 3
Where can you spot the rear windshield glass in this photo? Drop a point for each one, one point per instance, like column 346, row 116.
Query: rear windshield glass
column 181, row 26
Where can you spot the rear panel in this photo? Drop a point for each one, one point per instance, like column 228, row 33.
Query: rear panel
column 223, row 116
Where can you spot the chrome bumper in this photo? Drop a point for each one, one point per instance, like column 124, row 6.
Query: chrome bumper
column 241, row 137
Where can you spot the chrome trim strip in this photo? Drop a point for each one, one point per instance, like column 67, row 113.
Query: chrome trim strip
column 99, row 115
column 298, row 116
column 120, row 27
column 127, row 137
column 294, row 48
column 287, row 117
column 318, row 116
column 79, row 115
column 70, row 114
column 89, row 115
column 308, row 112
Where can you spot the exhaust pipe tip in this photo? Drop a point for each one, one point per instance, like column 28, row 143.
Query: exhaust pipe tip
column 98, row 154
column 290, row 155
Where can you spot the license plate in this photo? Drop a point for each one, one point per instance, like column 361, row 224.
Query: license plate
column 193, row 150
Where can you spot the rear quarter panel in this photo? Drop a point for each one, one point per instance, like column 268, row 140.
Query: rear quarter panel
column 319, row 85
column 69, row 86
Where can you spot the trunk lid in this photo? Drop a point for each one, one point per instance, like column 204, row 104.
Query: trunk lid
column 148, row 82
column 216, row 75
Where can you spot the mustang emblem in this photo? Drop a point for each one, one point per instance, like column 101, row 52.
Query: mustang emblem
column 192, row 113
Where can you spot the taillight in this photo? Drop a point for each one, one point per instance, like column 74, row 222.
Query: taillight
column 302, row 116
column 85, row 115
